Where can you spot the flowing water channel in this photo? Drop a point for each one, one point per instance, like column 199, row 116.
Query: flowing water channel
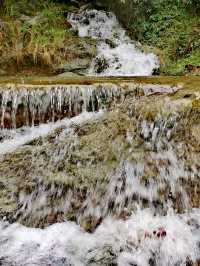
column 100, row 174
column 117, row 53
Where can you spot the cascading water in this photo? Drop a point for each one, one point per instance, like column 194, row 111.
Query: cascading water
column 30, row 106
column 117, row 54
column 112, row 187
column 101, row 174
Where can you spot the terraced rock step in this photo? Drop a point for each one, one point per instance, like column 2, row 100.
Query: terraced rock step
column 33, row 105
column 27, row 105
column 123, row 180
column 151, row 133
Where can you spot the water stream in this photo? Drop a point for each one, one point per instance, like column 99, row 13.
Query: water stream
column 103, row 174
column 106, row 184
column 117, row 53
column 32, row 105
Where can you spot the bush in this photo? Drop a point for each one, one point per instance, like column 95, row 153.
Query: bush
column 170, row 26
column 38, row 38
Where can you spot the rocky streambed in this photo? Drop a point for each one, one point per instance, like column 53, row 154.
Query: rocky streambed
column 123, row 167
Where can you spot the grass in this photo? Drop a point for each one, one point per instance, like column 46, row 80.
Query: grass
column 178, row 67
column 175, row 31
column 35, row 35
column 171, row 28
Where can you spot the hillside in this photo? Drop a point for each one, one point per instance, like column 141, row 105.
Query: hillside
column 36, row 38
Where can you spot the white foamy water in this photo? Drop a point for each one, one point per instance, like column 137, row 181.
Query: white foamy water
column 142, row 239
column 117, row 53
column 134, row 241
column 19, row 137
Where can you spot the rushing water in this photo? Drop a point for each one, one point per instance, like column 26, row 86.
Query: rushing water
column 102, row 174
column 12, row 139
column 138, row 220
column 130, row 242
column 117, row 54
column 31, row 106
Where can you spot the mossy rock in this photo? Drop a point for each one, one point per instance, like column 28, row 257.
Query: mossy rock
column 81, row 175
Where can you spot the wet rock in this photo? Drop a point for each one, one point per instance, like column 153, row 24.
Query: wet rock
column 107, row 167
column 195, row 132
column 189, row 262
column 67, row 24
column 6, row 262
column 47, row 104
column 105, row 256
column 50, row 260
column 197, row 263
column 156, row 72
column 152, row 260
column 78, row 57
column 110, row 43
column 91, row 223
column 78, row 65
column 195, row 69
column 54, row 261
column 100, row 65
column 160, row 233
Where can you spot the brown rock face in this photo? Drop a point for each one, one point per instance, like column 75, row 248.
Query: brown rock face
column 1, row 4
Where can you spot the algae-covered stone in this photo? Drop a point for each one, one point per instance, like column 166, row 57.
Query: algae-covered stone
column 76, row 65
column 143, row 151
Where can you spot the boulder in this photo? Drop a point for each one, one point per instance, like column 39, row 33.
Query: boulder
column 77, row 65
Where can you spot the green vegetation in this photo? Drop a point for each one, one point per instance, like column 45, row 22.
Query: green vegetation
column 174, row 29
column 36, row 34
column 171, row 28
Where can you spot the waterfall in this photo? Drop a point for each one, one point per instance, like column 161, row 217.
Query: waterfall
column 31, row 106
column 117, row 53
column 101, row 174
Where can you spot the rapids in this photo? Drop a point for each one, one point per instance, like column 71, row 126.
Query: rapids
column 122, row 243
column 102, row 174
column 113, row 180
column 12, row 139
column 30, row 105
column 117, row 53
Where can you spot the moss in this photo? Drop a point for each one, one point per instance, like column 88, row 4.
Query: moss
column 196, row 104
column 70, row 170
column 175, row 31
column 179, row 67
